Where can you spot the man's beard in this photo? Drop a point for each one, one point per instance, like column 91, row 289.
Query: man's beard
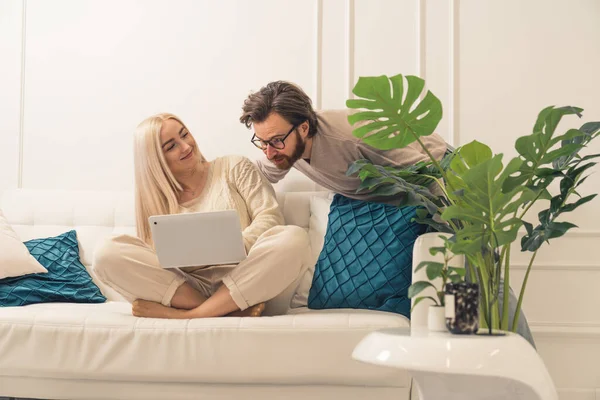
column 290, row 160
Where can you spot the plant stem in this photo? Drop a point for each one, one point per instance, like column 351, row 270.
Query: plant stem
column 431, row 157
column 483, row 304
column 522, row 294
column 441, row 186
column 490, row 308
column 529, row 205
column 439, row 167
column 504, row 325
column 486, row 299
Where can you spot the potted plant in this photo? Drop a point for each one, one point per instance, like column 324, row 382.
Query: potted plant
column 439, row 272
column 470, row 193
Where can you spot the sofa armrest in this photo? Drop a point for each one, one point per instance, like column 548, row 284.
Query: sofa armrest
column 418, row 316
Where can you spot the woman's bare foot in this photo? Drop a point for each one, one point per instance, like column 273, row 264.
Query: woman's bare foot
column 253, row 311
column 150, row 309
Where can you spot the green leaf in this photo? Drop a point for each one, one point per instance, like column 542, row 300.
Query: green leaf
column 418, row 300
column 557, row 229
column 395, row 120
column 555, row 204
column 581, row 181
column 546, row 172
column 569, row 150
column 584, row 135
column 592, row 129
column 463, row 213
column 474, row 153
column 434, row 270
column 357, row 166
column 435, row 250
column 418, row 287
column 458, row 270
column 369, row 170
column 575, row 136
column 437, row 226
column 447, row 160
column 549, row 124
column 545, row 195
column 536, row 149
column 532, row 242
column 572, row 176
column 424, row 264
column 370, row 183
column 485, row 207
column 544, row 216
column 528, row 227
column 575, row 171
column 455, row 278
column 571, row 206
column 544, row 232
column 407, row 185
column 589, row 157
column 421, row 213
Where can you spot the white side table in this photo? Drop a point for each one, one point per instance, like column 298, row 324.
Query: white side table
column 461, row 367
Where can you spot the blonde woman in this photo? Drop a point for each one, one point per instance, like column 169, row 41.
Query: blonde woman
column 171, row 177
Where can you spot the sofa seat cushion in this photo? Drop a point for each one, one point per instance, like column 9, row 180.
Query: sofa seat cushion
column 105, row 342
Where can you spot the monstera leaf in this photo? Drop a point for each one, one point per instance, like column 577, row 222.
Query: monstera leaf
column 422, row 173
column 395, row 117
column 482, row 203
column 382, row 181
column 536, row 149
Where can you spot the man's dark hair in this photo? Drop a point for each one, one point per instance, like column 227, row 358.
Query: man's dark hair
column 283, row 98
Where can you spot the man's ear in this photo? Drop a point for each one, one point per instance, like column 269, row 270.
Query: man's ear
column 304, row 127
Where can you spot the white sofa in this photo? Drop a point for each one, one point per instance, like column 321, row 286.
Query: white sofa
column 100, row 351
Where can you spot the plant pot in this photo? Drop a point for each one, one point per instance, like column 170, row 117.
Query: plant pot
column 462, row 307
column 436, row 319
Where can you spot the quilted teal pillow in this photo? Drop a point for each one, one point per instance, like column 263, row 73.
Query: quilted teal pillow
column 366, row 261
column 67, row 280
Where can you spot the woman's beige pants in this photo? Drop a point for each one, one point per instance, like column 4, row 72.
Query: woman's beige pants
column 273, row 267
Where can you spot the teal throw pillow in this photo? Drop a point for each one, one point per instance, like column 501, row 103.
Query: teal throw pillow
column 366, row 261
column 67, row 280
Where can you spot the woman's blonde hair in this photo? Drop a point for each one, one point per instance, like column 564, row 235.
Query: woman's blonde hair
column 156, row 189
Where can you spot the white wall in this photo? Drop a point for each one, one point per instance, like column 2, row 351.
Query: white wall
column 78, row 75
column 10, row 87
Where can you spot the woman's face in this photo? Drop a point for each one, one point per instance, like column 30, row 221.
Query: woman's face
column 178, row 146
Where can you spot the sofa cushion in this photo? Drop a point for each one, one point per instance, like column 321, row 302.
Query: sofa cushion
column 66, row 280
column 105, row 342
column 317, row 226
column 96, row 215
column 366, row 261
column 15, row 259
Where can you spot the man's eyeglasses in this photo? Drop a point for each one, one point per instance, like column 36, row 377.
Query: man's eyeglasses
column 277, row 143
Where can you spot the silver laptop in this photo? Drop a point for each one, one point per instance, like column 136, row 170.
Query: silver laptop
column 198, row 239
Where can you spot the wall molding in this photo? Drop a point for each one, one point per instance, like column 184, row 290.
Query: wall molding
column 578, row 394
column 575, row 233
column 349, row 46
column 555, row 267
column 583, row 233
column 318, row 43
column 22, row 94
column 563, row 329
